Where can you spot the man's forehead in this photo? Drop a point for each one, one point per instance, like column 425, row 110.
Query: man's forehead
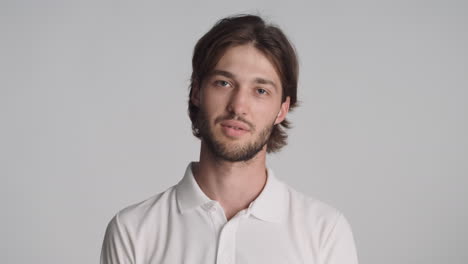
column 262, row 62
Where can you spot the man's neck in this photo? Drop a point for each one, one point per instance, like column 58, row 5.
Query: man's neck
column 233, row 184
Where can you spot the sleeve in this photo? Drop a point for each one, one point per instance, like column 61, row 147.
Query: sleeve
column 117, row 247
column 339, row 246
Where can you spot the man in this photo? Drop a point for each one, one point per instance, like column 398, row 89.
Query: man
column 228, row 207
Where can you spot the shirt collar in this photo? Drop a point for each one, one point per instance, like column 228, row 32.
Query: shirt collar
column 188, row 193
column 270, row 205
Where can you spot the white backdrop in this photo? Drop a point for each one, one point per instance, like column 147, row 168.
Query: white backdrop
column 93, row 101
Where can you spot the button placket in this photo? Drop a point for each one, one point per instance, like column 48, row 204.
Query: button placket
column 227, row 242
column 217, row 217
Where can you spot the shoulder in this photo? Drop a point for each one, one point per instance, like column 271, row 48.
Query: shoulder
column 137, row 214
column 131, row 225
column 327, row 225
column 309, row 206
column 315, row 214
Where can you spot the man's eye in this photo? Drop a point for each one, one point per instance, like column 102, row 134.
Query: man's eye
column 262, row 91
column 222, row 83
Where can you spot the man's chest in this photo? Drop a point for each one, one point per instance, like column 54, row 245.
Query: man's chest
column 211, row 239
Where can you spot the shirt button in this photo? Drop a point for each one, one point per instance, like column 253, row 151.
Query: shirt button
column 212, row 207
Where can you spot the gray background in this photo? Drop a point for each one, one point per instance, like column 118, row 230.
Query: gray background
column 93, row 118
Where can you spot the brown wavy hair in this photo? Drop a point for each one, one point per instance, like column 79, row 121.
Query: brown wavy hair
column 268, row 39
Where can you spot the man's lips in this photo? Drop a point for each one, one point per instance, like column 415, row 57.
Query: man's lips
column 235, row 125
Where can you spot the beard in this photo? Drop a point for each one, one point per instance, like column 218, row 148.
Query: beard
column 233, row 152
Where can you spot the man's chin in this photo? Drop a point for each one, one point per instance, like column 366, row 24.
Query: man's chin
column 234, row 152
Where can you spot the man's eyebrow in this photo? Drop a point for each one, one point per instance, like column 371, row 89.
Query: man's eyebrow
column 266, row 81
column 222, row 73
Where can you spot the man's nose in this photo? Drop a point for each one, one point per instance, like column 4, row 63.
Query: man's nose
column 238, row 102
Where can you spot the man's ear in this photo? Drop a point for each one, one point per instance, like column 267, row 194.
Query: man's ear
column 284, row 109
column 195, row 94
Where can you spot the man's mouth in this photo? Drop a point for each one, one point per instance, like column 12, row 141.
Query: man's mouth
column 236, row 128
column 234, row 124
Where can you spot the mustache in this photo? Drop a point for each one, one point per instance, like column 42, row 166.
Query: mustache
column 236, row 118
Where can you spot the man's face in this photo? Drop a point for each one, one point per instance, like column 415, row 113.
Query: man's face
column 239, row 102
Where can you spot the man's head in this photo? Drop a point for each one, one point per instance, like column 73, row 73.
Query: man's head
column 244, row 82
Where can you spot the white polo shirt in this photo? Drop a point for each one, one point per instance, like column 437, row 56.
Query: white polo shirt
column 183, row 225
